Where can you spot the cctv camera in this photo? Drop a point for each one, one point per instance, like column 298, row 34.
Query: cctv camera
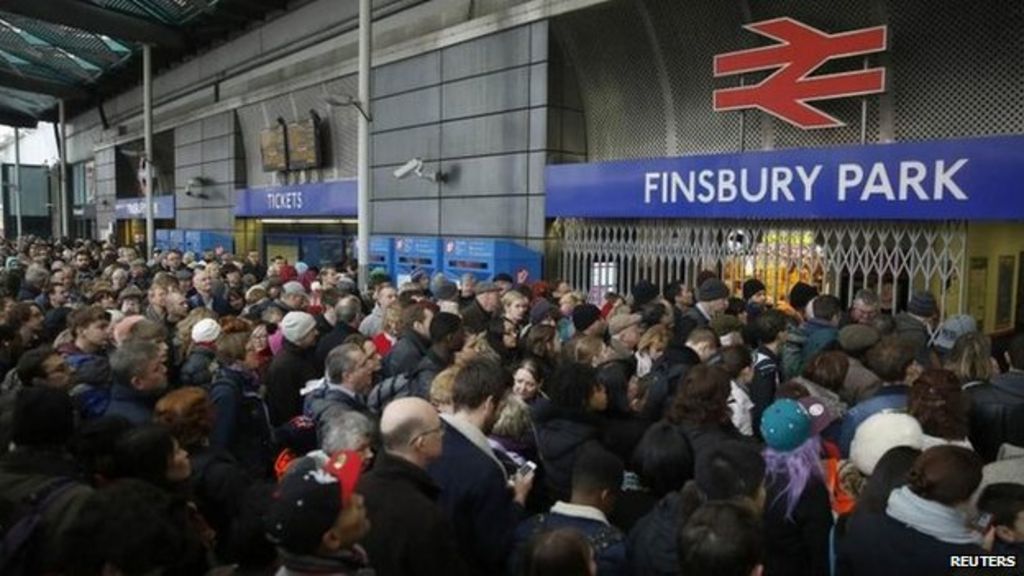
column 414, row 166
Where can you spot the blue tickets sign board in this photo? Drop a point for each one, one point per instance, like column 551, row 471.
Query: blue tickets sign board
column 320, row 199
column 968, row 179
column 135, row 208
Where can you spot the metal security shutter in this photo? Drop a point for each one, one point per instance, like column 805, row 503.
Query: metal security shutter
column 838, row 257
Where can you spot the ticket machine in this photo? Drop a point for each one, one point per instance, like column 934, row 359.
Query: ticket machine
column 412, row 252
column 485, row 258
column 382, row 255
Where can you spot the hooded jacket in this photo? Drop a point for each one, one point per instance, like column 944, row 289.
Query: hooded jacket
column 561, row 434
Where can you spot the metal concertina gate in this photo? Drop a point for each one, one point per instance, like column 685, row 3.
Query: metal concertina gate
column 837, row 257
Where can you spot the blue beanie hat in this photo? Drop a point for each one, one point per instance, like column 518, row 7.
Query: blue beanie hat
column 785, row 425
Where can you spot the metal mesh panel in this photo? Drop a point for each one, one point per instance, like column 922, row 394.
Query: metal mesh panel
column 959, row 75
column 625, row 112
column 250, row 122
column 838, row 257
column 688, row 40
column 344, row 128
column 835, row 16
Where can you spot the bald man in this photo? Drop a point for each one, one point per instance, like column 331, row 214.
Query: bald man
column 410, row 534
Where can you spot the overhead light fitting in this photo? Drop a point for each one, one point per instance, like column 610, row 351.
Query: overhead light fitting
column 348, row 100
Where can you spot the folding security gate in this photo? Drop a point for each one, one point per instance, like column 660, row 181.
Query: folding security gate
column 892, row 258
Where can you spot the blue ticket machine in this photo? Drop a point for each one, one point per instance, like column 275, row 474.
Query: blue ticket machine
column 412, row 252
column 210, row 240
column 382, row 255
column 162, row 239
column 177, row 240
column 485, row 258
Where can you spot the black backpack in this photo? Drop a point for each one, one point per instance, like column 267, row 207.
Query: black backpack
column 19, row 522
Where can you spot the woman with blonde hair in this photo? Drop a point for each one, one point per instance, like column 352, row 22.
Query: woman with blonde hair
column 516, row 307
column 566, row 304
column 391, row 327
column 441, row 390
column 971, row 359
column 651, row 347
column 512, row 436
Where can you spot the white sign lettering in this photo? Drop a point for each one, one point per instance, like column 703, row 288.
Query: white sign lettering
column 284, row 200
column 907, row 181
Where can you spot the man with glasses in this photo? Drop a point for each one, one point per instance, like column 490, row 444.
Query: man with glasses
column 410, row 535
column 349, row 378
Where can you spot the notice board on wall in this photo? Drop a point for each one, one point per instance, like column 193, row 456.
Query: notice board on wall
column 977, row 284
column 1004, row 294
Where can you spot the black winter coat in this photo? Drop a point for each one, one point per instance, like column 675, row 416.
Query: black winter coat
column 331, row 340
column 797, row 546
column 653, row 543
column 411, row 535
column 561, row 434
column 218, row 485
column 997, row 414
column 703, row 438
column 288, row 373
column 474, row 318
column 668, row 374
column 877, row 545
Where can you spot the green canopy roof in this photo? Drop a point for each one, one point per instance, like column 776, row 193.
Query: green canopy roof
column 79, row 50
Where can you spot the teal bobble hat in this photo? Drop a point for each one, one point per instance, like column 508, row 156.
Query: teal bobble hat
column 785, row 425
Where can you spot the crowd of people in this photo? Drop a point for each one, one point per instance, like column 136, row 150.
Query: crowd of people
column 204, row 413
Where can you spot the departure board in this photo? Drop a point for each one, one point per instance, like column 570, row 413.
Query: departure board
column 273, row 149
column 304, row 145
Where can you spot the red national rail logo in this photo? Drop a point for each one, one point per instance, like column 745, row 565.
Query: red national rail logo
column 801, row 50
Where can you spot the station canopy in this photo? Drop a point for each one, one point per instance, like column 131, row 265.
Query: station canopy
column 82, row 51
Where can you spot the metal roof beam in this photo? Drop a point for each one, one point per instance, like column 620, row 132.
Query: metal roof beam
column 92, row 18
column 16, row 119
column 39, row 86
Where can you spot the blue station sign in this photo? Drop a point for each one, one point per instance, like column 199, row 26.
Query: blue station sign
column 321, row 199
column 968, row 179
column 135, row 208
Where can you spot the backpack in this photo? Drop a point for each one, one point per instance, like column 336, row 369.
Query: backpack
column 397, row 386
column 19, row 523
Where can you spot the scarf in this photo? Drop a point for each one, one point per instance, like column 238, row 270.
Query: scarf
column 932, row 518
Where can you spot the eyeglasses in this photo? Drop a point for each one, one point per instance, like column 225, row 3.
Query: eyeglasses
column 439, row 430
